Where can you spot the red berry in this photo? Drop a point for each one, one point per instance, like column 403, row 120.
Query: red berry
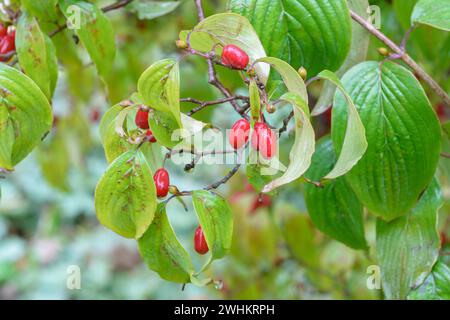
column 264, row 140
column 440, row 110
column 6, row 46
column 200, row 244
column 261, row 201
column 249, row 187
column 328, row 115
column 12, row 33
column 142, row 119
column 239, row 134
column 95, row 115
column 235, row 57
column 150, row 137
column 162, row 182
column 3, row 30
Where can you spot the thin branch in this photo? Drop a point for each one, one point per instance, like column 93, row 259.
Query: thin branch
column 404, row 56
column 317, row 184
column 445, row 155
column 213, row 80
column 4, row 171
column 117, row 5
column 201, row 13
column 213, row 186
column 224, row 179
column 286, row 123
column 204, row 104
column 7, row 56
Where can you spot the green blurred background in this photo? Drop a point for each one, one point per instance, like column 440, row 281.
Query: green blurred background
column 47, row 217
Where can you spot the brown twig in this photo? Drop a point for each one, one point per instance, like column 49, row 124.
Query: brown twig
column 213, row 80
column 445, row 155
column 212, row 186
column 404, row 56
column 286, row 123
column 204, row 104
column 225, row 179
column 4, row 171
column 7, row 56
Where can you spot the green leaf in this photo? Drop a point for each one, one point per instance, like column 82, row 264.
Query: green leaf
column 255, row 101
column 147, row 9
column 436, row 286
column 300, row 237
column 125, row 197
column 37, row 54
column 172, row 92
column 162, row 252
column 357, row 54
column 446, row 129
column 334, row 209
column 435, row 13
column 431, row 43
column 303, row 148
column 44, row 10
column 54, row 160
column 402, row 132
column 29, row 116
column 159, row 87
column 164, row 127
column 355, row 144
column 95, row 32
column 301, row 32
column 304, row 144
column 6, row 137
column 229, row 28
column 408, row 247
column 255, row 178
column 113, row 144
column 290, row 76
column 216, row 220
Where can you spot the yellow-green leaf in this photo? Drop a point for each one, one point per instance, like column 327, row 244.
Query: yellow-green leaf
column 125, row 197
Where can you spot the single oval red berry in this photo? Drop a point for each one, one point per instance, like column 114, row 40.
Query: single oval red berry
column 264, row 140
column 261, row 201
column 162, row 182
column 235, row 57
column 95, row 115
column 142, row 119
column 200, row 244
column 239, row 133
column 6, row 46
column 3, row 30
column 150, row 137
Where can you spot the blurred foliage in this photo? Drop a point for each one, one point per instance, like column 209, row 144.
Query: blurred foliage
column 47, row 217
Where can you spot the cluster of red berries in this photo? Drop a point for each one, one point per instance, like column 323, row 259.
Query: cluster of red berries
column 263, row 139
column 7, row 41
column 142, row 123
column 161, row 176
column 162, row 180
